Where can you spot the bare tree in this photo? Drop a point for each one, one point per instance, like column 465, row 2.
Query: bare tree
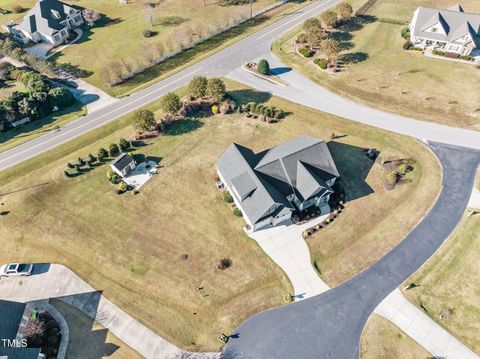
column 34, row 327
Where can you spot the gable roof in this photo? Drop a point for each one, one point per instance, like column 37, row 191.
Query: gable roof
column 46, row 17
column 264, row 180
column 455, row 22
column 122, row 161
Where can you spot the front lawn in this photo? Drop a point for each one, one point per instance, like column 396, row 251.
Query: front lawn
column 377, row 71
column 383, row 340
column 131, row 247
column 89, row 339
column 448, row 284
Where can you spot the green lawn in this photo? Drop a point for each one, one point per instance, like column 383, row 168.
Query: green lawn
column 10, row 87
column 135, row 242
column 88, row 339
column 449, row 280
column 383, row 340
column 380, row 73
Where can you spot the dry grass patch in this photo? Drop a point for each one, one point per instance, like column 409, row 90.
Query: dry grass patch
column 89, row 339
column 448, row 282
column 130, row 246
column 383, row 340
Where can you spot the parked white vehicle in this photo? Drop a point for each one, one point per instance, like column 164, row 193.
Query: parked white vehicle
column 16, row 269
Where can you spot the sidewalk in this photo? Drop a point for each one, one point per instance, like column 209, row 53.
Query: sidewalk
column 421, row 328
column 474, row 199
column 57, row 281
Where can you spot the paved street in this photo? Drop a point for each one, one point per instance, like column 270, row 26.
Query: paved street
column 219, row 64
column 330, row 325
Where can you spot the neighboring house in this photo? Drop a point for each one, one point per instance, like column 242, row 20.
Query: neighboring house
column 269, row 186
column 49, row 20
column 11, row 314
column 451, row 30
column 123, row 165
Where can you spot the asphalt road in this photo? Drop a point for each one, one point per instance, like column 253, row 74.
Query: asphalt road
column 330, row 324
column 217, row 65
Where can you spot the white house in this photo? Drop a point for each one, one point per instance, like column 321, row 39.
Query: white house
column 49, row 20
column 123, row 165
column 269, row 186
column 452, row 30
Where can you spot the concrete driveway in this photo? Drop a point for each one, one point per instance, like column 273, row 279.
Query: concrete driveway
column 287, row 248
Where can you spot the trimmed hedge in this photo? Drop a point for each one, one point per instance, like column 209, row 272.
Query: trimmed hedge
column 306, row 52
column 323, row 64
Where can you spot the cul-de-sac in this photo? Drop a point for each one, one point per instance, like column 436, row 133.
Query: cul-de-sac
column 239, row 179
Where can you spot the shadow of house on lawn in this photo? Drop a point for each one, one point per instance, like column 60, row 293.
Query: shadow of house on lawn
column 354, row 165
column 242, row 97
column 80, row 312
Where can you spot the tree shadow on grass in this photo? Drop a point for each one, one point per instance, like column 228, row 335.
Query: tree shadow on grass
column 357, row 23
column 249, row 95
column 344, row 39
column 354, row 166
column 353, row 57
column 181, row 127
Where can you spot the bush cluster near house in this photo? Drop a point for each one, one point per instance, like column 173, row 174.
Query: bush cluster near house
column 41, row 99
column 81, row 165
column 266, row 114
column 396, row 171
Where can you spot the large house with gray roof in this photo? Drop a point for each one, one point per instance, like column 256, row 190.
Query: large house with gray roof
column 269, row 186
column 452, row 30
column 49, row 20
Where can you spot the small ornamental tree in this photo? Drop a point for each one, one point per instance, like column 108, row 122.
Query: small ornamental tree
column 114, row 150
column 102, row 154
column 90, row 16
column 330, row 49
column 344, row 11
column 216, row 89
column 227, row 197
column 91, row 158
column 311, row 24
column 170, row 103
column 144, row 120
column 123, row 144
column 329, row 18
column 198, row 87
column 263, row 67
column 61, row 97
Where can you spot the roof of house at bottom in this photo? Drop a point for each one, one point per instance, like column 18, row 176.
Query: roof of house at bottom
column 300, row 166
column 10, row 316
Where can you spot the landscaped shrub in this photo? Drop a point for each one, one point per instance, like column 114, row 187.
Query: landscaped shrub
column 323, row 64
column 227, row 197
column 306, row 52
column 102, row 154
column 170, row 103
column 124, row 145
column 198, row 87
column 237, row 212
column 263, row 67
column 114, row 150
column 465, row 57
column 91, row 158
column 147, row 33
column 438, row 52
column 215, row 109
column 407, row 45
column 403, row 168
column 452, row 55
column 405, row 33
column 69, row 165
column 278, row 114
column 250, row 106
column 216, row 89
column 224, row 263
column 122, row 187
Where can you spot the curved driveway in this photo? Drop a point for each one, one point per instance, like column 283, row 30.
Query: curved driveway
column 330, row 324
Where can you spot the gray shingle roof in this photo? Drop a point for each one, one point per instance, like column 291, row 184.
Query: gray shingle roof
column 122, row 161
column 46, row 17
column 454, row 21
column 266, row 179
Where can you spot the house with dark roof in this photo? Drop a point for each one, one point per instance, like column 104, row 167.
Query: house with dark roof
column 11, row 314
column 269, row 186
column 123, row 165
column 452, row 30
column 49, row 20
